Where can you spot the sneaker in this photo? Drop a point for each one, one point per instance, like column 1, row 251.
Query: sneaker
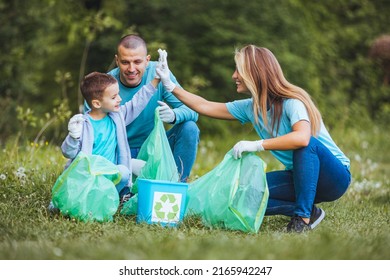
column 317, row 215
column 297, row 225
column 125, row 198
column 52, row 209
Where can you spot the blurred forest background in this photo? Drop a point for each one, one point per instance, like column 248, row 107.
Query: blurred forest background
column 338, row 50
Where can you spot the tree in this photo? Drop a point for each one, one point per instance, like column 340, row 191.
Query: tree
column 380, row 50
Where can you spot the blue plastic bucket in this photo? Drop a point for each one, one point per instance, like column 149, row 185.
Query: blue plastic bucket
column 161, row 202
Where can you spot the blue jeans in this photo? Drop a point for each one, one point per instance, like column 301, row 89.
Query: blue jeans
column 183, row 139
column 317, row 176
column 122, row 187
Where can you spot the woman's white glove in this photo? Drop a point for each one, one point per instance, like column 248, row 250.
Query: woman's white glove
column 162, row 71
column 136, row 166
column 166, row 113
column 247, row 146
column 75, row 126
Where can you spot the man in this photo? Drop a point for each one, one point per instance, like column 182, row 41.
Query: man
column 134, row 70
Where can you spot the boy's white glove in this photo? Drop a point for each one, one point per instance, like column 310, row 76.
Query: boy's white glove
column 162, row 71
column 75, row 126
column 137, row 165
column 247, row 146
column 166, row 113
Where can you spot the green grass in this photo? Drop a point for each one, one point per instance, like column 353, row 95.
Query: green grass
column 357, row 226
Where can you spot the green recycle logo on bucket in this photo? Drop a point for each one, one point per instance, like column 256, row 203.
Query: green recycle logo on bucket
column 166, row 207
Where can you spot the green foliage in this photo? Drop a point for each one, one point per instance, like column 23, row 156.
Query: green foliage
column 323, row 46
column 47, row 45
column 355, row 226
column 50, row 121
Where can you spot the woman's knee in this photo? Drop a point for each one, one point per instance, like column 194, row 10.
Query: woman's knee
column 309, row 148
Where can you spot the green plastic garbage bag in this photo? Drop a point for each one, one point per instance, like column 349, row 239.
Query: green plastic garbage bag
column 233, row 195
column 86, row 189
column 160, row 163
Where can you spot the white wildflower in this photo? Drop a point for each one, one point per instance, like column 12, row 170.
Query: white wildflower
column 21, row 170
column 203, row 150
column 57, row 251
column 20, row 174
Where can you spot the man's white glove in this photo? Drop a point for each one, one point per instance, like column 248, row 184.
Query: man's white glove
column 162, row 71
column 166, row 113
column 75, row 126
column 247, row 146
column 137, row 165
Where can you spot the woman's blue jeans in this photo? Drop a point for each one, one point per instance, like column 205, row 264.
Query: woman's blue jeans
column 317, row 176
column 183, row 139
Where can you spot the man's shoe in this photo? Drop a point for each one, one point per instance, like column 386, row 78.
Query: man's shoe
column 125, row 198
column 297, row 225
column 317, row 215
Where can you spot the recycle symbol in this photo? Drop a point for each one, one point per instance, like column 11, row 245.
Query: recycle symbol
column 167, row 207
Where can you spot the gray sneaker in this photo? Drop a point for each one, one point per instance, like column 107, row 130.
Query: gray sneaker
column 317, row 215
column 297, row 225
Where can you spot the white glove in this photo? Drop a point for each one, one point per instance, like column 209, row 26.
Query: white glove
column 162, row 71
column 247, row 146
column 166, row 113
column 137, row 165
column 75, row 126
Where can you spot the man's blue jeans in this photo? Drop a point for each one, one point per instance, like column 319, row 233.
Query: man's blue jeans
column 122, row 187
column 183, row 139
column 317, row 176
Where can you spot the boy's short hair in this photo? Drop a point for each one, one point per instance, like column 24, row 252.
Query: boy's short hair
column 94, row 84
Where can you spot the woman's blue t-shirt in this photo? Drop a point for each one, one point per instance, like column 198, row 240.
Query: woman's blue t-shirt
column 293, row 111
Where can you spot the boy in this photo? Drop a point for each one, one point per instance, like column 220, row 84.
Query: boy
column 102, row 129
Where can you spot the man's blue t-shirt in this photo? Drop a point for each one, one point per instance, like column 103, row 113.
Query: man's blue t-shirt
column 140, row 128
column 293, row 111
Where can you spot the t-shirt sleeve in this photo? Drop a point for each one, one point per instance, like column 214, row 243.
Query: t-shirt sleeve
column 241, row 109
column 296, row 111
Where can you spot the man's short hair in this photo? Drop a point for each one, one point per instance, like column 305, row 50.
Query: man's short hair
column 94, row 84
column 132, row 41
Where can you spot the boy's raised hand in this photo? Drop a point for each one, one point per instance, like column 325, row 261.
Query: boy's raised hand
column 163, row 72
column 75, row 126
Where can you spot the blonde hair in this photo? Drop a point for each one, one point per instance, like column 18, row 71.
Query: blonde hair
column 264, row 78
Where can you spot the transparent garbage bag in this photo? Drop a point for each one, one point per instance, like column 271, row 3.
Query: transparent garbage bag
column 233, row 195
column 86, row 189
column 160, row 163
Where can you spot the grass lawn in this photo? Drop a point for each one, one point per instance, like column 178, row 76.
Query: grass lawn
column 357, row 226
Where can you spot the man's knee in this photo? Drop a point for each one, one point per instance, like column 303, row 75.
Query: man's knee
column 122, row 186
column 191, row 130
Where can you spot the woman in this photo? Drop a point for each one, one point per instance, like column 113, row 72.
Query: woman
column 289, row 125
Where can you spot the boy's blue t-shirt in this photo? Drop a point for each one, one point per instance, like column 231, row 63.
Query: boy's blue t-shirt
column 141, row 127
column 105, row 141
column 293, row 111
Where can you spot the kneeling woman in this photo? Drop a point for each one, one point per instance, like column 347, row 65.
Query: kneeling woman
column 289, row 125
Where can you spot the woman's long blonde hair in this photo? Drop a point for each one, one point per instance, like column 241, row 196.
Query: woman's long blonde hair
column 264, row 78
